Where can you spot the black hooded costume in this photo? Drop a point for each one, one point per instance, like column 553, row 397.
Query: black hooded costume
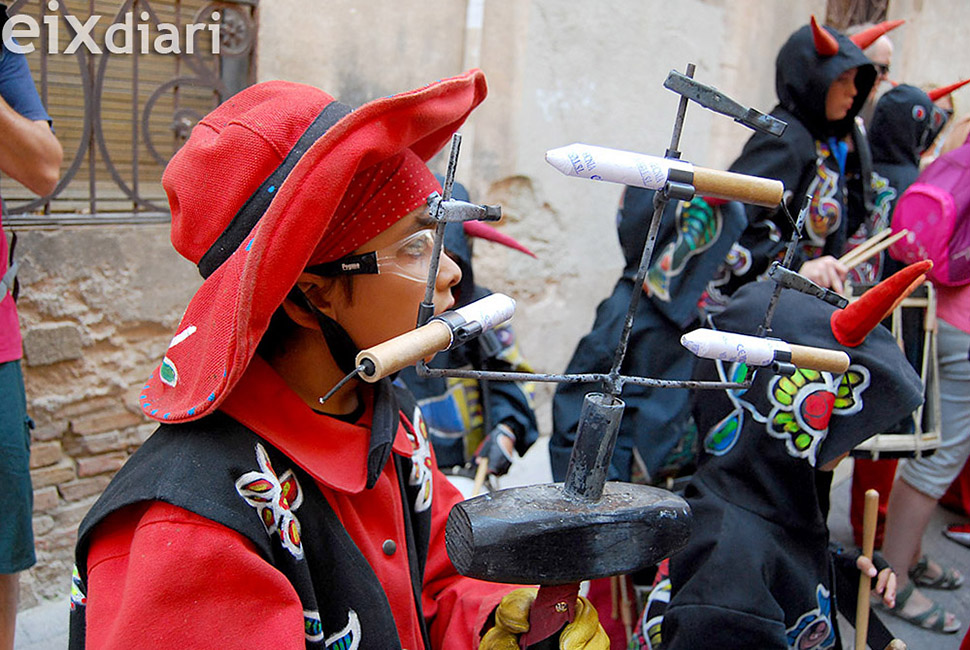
column 656, row 431
column 809, row 158
column 757, row 571
column 461, row 412
column 904, row 124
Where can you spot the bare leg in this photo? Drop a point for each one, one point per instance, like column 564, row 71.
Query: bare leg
column 908, row 515
column 9, row 592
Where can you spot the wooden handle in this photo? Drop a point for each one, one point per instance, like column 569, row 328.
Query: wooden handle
column 738, row 187
column 405, row 350
column 480, row 475
column 868, row 542
column 835, row 361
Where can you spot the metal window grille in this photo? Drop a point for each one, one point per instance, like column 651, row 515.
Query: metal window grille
column 121, row 116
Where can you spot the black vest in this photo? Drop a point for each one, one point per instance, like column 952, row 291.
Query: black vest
column 219, row 469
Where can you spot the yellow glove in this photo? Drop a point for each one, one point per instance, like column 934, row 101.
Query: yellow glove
column 512, row 619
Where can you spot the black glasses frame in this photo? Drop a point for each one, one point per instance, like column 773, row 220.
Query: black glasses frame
column 359, row 264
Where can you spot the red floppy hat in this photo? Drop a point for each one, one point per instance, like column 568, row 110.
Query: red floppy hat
column 254, row 193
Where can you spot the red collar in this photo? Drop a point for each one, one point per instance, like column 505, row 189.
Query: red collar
column 331, row 451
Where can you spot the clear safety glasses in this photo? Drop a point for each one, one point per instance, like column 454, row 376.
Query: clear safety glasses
column 408, row 258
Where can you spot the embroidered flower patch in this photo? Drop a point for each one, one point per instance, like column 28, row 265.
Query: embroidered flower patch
column 275, row 498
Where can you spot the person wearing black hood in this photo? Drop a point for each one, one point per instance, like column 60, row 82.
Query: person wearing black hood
column 657, row 441
column 757, row 571
column 909, row 121
column 822, row 79
column 656, row 438
column 904, row 124
column 470, row 419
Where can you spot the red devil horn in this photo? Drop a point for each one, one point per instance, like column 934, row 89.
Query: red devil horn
column 851, row 325
column 936, row 93
column 825, row 43
column 484, row 231
column 867, row 37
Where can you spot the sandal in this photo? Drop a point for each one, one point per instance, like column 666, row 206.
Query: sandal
column 948, row 578
column 935, row 612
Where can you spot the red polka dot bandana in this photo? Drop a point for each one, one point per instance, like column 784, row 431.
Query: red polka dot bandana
column 376, row 199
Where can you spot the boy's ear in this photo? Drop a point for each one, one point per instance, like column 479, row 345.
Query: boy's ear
column 310, row 287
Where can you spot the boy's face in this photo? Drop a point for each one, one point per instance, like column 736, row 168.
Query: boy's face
column 841, row 96
column 385, row 305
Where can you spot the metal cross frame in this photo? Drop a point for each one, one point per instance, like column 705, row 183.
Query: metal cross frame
column 613, row 380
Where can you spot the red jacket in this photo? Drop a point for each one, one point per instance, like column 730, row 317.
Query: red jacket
column 220, row 589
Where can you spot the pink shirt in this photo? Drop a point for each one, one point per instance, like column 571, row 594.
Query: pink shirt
column 10, row 343
column 953, row 305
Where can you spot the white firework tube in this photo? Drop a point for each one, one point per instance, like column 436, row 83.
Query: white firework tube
column 490, row 311
column 437, row 335
column 727, row 346
column 652, row 173
column 616, row 166
column 756, row 351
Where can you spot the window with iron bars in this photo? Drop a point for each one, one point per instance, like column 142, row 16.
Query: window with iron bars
column 121, row 115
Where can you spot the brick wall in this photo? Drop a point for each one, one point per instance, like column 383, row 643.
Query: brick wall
column 98, row 306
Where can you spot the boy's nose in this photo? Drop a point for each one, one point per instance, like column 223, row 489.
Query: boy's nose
column 449, row 274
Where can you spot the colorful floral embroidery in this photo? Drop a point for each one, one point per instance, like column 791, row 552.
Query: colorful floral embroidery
column 802, row 409
column 871, row 270
column 312, row 626
column 347, row 638
column 804, row 403
column 698, row 227
column 275, row 498
column 721, row 438
column 825, row 211
column 813, row 629
column 421, row 463
column 167, row 372
column 848, row 399
column 78, row 598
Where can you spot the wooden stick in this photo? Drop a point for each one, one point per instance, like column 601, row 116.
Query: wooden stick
column 625, row 614
column 856, row 260
column 480, row 475
column 872, row 241
column 615, row 596
column 868, row 542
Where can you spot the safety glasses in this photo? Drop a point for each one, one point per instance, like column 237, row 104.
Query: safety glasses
column 408, row 258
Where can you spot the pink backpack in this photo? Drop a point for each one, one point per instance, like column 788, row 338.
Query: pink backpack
column 936, row 211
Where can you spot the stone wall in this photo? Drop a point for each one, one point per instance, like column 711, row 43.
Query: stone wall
column 98, row 305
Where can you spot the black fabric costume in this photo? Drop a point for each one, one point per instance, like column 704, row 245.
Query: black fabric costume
column 460, row 412
column 903, row 126
column 806, row 158
column 180, row 462
column 656, row 430
column 757, row 571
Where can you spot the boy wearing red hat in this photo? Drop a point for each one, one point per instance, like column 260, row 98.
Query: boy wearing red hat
column 257, row 516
